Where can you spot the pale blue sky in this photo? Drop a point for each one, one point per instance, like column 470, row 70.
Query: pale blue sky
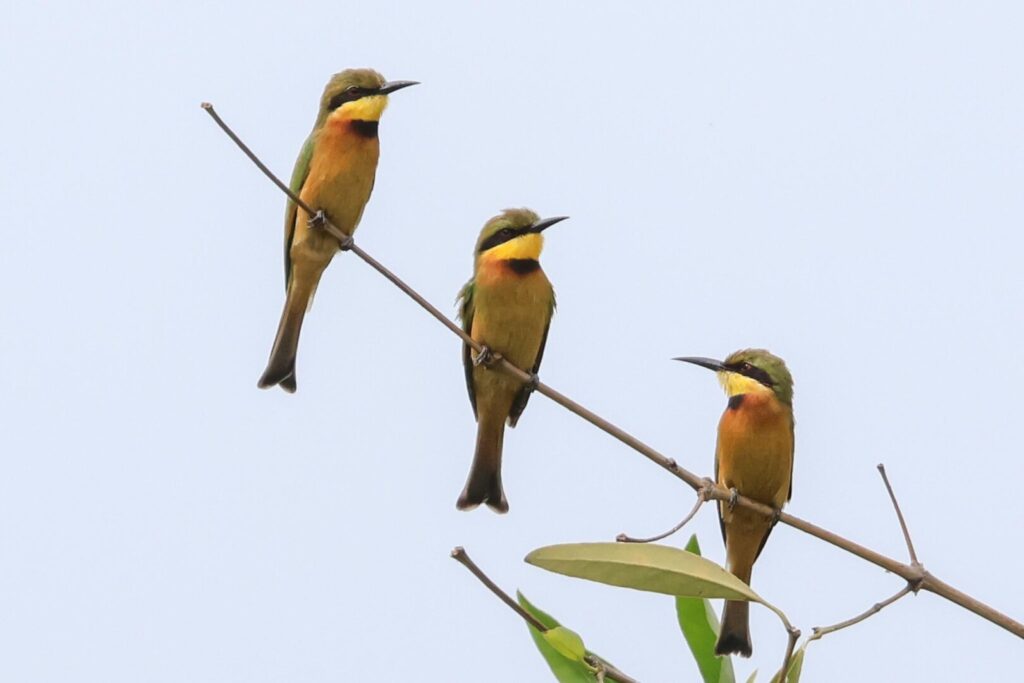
column 841, row 185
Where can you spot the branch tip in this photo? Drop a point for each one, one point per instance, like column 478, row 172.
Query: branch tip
column 899, row 515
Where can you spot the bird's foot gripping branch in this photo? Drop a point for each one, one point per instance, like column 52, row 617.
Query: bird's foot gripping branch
column 486, row 358
column 318, row 221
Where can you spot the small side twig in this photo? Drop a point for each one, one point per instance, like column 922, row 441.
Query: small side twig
column 603, row 669
column 818, row 631
column 703, row 495
column 903, row 522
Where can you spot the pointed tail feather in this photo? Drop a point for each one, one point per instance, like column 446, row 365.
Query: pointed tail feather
column 734, row 637
column 744, row 537
column 484, row 482
column 288, row 383
column 281, row 366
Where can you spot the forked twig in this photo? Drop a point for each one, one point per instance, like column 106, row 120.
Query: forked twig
column 818, row 631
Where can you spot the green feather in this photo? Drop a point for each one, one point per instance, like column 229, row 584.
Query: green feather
column 465, row 301
column 299, row 175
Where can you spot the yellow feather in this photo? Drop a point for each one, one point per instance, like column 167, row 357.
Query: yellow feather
column 526, row 246
column 364, row 109
column 736, row 384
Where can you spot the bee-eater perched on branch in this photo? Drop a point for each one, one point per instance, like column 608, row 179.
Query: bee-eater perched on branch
column 754, row 457
column 506, row 307
column 334, row 175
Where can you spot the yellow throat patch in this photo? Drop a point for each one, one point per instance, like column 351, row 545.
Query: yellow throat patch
column 364, row 109
column 526, row 246
column 735, row 384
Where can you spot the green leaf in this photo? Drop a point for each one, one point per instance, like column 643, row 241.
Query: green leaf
column 644, row 566
column 566, row 642
column 796, row 667
column 567, row 669
column 700, row 628
column 753, row 676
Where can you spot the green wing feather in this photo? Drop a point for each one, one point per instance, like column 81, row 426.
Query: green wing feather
column 299, row 175
column 465, row 300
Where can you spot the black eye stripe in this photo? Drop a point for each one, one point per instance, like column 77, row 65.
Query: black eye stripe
column 502, row 236
column 349, row 95
column 748, row 370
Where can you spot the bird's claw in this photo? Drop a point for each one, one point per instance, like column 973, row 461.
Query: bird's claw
column 486, row 357
column 531, row 384
column 317, row 221
column 734, row 496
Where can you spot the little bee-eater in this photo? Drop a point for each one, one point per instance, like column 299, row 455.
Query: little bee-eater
column 334, row 175
column 754, row 457
column 507, row 308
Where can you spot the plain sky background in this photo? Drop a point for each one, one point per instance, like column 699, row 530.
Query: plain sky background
column 841, row 185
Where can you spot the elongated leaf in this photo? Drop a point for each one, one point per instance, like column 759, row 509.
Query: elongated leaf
column 700, row 628
column 565, row 669
column 643, row 566
column 753, row 676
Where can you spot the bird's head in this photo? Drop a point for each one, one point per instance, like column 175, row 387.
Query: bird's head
column 357, row 95
column 750, row 371
column 514, row 234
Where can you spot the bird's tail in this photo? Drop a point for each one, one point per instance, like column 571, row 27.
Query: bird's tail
column 744, row 538
column 484, row 482
column 281, row 366
column 734, row 637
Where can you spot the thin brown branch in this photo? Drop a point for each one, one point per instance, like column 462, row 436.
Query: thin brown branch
column 794, row 635
column 819, row 631
column 702, row 497
column 330, row 227
column 909, row 572
column 609, row 671
column 460, row 555
column 899, row 515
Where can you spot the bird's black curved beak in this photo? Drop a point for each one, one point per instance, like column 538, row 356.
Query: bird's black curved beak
column 392, row 86
column 545, row 223
column 709, row 363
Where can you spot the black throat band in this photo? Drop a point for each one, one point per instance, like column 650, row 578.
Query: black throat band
column 366, row 129
column 523, row 266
